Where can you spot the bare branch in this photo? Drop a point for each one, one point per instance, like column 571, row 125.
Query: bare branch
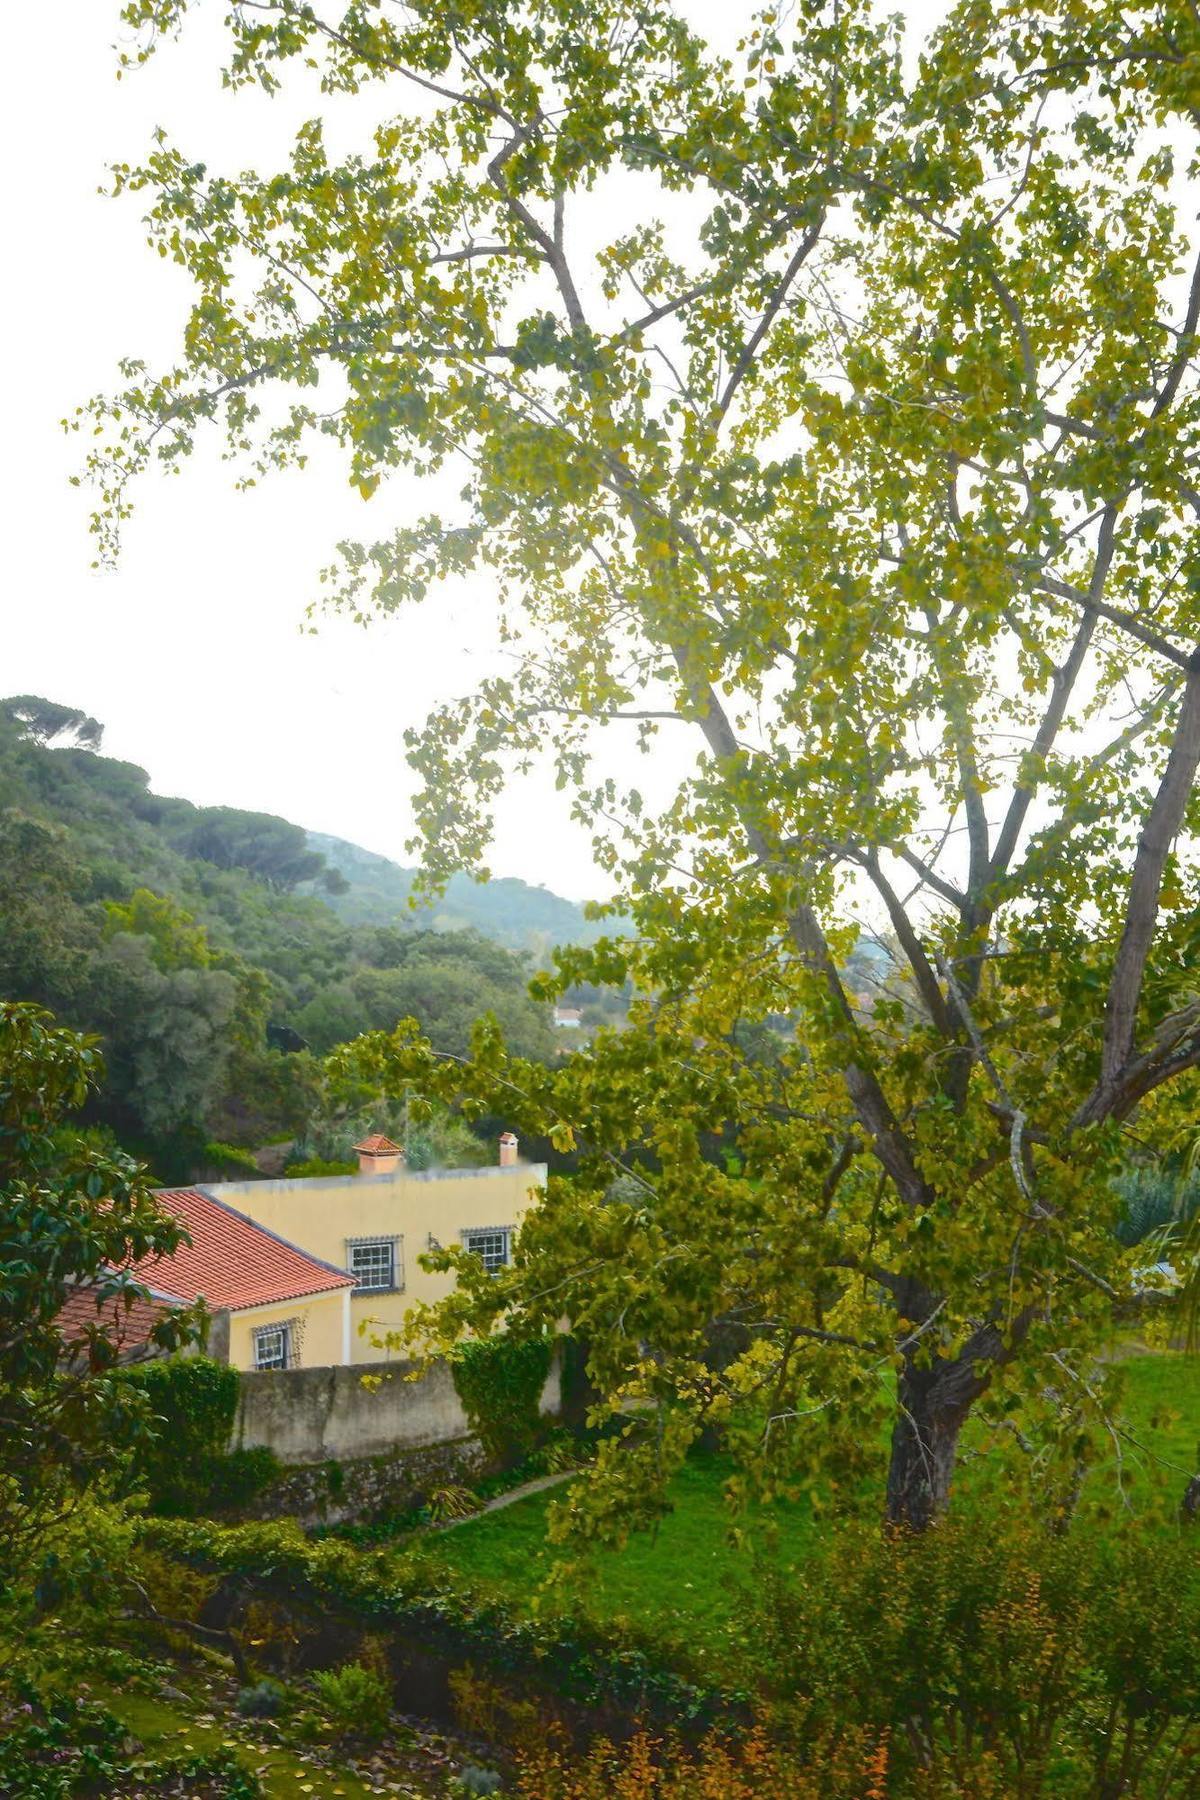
column 750, row 348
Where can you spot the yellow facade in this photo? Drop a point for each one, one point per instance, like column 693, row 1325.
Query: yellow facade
column 417, row 1210
column 317, row 1329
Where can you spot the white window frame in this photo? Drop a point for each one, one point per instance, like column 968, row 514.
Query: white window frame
column 394, row 1248
column 491, row 1262
column 263, row 1334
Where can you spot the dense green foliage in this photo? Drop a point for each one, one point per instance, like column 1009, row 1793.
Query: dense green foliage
column 71, row 1215
column 432, row 1137
column 175, row 933
column 1152, row 1201
column 499, row 1380
column 356, row 1699
column 184, row 1464
column 1023, row 1658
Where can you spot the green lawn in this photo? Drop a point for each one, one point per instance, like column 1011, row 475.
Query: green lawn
column 691, row 1584
column 685, row 1578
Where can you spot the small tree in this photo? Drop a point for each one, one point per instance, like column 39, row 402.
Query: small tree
column 863, row 453
column 72, row 1214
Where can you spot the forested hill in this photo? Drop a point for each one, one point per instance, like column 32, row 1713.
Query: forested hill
column 218, row 952
column 508, row 910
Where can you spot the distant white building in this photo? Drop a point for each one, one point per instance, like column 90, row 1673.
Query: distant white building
column 568, row 1018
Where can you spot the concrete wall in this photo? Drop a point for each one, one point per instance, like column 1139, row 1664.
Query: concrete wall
column 311, row 1415
column 421, row 1207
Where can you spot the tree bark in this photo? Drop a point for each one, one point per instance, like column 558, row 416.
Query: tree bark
column 932, row 1404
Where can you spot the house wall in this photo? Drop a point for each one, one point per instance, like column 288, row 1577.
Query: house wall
column 311, row 1415
column 420, row 1207
column 319, row 1320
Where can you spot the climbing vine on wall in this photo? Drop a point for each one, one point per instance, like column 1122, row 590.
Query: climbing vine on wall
column 499, row 1381
column 186, row 1466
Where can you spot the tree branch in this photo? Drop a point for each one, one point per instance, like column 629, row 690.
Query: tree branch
column 1162, row 824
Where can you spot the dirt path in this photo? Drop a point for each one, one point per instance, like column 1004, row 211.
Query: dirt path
column 510, row 1498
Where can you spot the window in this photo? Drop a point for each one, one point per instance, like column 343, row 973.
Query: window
column 272, row 1347
column 490, row 1243
column 375, row 1264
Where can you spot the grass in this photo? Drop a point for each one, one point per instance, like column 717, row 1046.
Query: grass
column 284, row 1774
column 688, row 1582
column 684, row 1578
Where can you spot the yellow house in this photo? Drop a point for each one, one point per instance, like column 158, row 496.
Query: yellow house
column 374, row 1225
column 273, row 1305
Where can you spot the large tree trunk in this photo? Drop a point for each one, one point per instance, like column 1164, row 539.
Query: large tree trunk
column 932, row 1404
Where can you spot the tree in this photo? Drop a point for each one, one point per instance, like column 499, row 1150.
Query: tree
column 865, row 457
column 45, row 721
column 71, row 1214
column 270, row 848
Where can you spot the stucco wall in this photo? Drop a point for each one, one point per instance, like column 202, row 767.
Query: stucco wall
column 318, row 1323
column 312, row 1415
column 320, row 1213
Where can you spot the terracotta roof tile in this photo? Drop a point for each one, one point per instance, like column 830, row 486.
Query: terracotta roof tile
column 128, row 1328
column 233, row 1261
column 378, row 1145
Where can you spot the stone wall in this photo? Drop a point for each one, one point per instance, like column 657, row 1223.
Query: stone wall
column 355, row 1448
column 365, row 1488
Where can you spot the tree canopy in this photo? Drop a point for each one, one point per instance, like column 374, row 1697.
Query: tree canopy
column 71, row 1215
column 832, row 411
column 196, row 968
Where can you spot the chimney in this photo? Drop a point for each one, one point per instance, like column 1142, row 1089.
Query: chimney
column 377, row 1155
column 508, row 1150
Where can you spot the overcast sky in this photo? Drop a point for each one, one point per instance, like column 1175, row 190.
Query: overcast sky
column 193, row 653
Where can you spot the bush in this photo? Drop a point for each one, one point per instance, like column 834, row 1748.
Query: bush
column 752, row 1768
column 499, row 1381
column 319, row 1165
column 193, row 1402
column 1152, row 1199
column 262, row 1701
column 475, row 1781
column 239, row 1476
column 184, row 1466
column 999, row 1647
column 228, row 1163
column 357, row 1700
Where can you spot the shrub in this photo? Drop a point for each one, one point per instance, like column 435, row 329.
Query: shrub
column 262, row 1701
column 239, row 1476
column 452, row 1502
column 475, row 1780
column 1151, row 1199
column 193, row 1401
column 184, row 1466
column 357, row 1700
column 499, row 1381
column 319, row 1165
column 754, row 1768
column 1000, row 1648
column 228, row 1162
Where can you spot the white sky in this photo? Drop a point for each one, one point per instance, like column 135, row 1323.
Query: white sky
column 192, row 654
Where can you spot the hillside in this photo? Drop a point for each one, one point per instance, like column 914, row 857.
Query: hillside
column 507, row 910
column 218, row 953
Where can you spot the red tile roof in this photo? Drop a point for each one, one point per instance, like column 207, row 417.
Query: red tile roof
column 233, row 1261
column 378, row 1145
column 127, row 1328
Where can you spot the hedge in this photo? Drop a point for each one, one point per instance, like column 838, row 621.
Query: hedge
column 584, row 1661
